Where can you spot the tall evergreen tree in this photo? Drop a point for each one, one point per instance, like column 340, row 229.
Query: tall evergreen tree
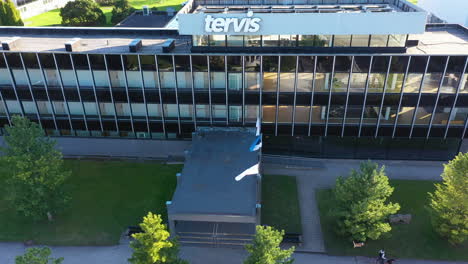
column 361, row 209
column 449, row 203
column 34, row 171
column 265, row 248
column 12, row 16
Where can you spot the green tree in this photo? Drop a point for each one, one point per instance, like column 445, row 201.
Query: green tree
column 265, row 248
column 10, row 16
column 121, row 10
column 2, row 13
column 37, row 256
column 33, row 170
column 361, row 209
column 449, row 203
column 153, row 246
column 82, row 13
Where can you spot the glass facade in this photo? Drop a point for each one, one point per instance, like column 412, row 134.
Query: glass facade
column 168, row 96
column 373, row 41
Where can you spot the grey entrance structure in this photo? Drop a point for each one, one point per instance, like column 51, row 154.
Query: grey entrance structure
column 209, row 206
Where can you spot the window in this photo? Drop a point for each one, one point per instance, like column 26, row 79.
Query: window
column 235, row 41
column 360, row 41
column 342, row 41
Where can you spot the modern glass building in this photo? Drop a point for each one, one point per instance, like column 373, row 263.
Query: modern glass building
column 345, row 79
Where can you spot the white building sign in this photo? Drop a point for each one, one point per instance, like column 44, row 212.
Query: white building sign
column 248, row 24
column 302, row 23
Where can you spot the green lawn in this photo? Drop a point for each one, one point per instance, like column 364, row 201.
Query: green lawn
column 52, row 18
column 416, row 240
column 280, row 205
column 107, row 196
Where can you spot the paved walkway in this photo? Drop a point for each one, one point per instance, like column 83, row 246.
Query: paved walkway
column 312, row 174
column 195, row 255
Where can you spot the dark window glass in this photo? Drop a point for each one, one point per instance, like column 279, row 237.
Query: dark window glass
column 97, row 62
column 14, row 60
column 30, row 60
column 131, row 62
column 270, row 63
column 114, row 62
column 217, row 63
column 234, row 63
column 2, row 61
column 147, row 63
column 418, row 64
column 47, row 61
column 361, row 64
column 79, row 60
column 200, row 63
column 380, row 64
column 456, row 64
column 342, row 64
column 165, row 63
column 437, row 64
column 182, row 63
column 64, row 62
column 252, row 63
column 324, row 63
column 288, row 63
column 399, row 64
column 306, row 64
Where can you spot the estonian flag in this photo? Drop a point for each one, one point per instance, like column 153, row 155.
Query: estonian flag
column 257, row 144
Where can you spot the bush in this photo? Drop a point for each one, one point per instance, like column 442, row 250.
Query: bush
column 361, row 210
column 449, row 203
column 38, row 256
column 121, row 10
column 82, row 13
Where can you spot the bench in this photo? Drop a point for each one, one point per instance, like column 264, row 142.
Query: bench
column 293, row 238
column 133, row 230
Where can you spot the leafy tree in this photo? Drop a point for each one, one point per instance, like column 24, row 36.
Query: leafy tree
column 265, row 248
column 37, row 256
column 449, row 203
column 361, row 209
column 9, row 15
column 2, row 13
column 153, row 246
column 82, row 13
column 33, row 170
column 121, row 10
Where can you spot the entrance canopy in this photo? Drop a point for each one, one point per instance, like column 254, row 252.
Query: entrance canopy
column 207, row 190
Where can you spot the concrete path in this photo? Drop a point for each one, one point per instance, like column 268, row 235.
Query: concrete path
column 195, row 255
column 312, row 174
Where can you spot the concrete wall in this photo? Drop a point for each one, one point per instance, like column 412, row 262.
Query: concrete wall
column 120, row 148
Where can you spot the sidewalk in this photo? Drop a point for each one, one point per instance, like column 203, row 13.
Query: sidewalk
column 195, row 255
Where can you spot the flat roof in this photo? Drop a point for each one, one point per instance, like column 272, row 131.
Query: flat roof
column 441, row 40
column 438, row 40
column 207, row 185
